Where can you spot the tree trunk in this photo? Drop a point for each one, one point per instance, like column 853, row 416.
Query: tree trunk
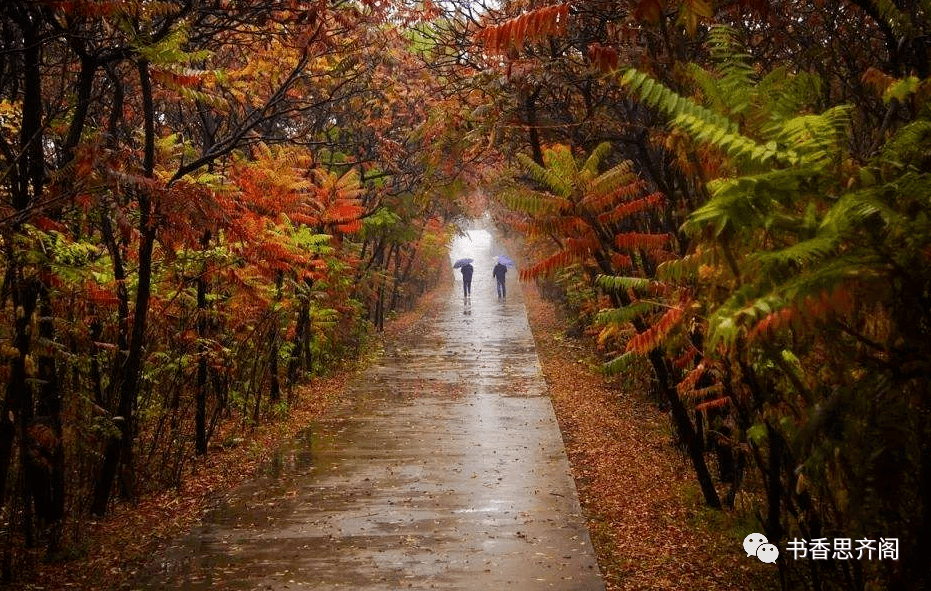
column 26, row 180
column 685, row 429
column 121, row 447
column 274, row 389
column 680, row 415
column 96, row 330
column 18, row 393
column 274, row 383
column 774, row 486
column 924, row 479
column 297, row 346
column 49, row 408
column 380, row 307
column 530, row 104
column 200, row 393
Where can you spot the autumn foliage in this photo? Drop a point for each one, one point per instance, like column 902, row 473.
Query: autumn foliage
column 760, row 250
column 200, row 204
column 531, row 26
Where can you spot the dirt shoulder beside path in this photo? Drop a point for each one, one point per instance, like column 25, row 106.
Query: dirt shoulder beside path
column 644, row 513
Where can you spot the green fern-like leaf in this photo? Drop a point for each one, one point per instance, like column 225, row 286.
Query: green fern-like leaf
column 802, row 253
column 168, row 51
column 619, row 364
column 612, row 179
column 784, row 95
column 685, row 267
column 746, row 202
column 898, row 21
column 590, row 168
column 668, row 101
column 614, row 283
column 752, row 303
column 912, row 143
column 626, row 313
column 548, row 177
column 532, row 202
column 853, row 209
column 735, row 145
column 816, row 138
column 732, row 84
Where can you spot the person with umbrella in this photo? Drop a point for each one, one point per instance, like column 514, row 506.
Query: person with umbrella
column 465, row 266
column 499, row 273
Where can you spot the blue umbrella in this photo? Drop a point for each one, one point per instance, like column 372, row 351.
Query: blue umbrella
column 504, row 260
column 461, row 262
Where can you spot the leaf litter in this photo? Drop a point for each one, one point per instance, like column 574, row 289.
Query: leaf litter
column 646, row 521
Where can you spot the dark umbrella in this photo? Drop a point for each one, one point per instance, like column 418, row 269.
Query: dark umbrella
column 462, row 262
column 504, row 260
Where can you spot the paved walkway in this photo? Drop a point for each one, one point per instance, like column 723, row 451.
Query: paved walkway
column 450, row 473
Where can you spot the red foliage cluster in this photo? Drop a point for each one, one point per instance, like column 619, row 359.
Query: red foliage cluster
column 532, row 26
column 604, row 59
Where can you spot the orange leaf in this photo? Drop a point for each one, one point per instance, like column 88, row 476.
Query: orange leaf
column 716, row 403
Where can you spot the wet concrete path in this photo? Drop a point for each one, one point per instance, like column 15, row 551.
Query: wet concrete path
column 448, row 473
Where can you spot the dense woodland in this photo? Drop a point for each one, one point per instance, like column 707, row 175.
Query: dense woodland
column 202, row 202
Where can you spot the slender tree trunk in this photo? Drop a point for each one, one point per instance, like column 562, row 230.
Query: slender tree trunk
column 274, row 389
column 394, row 253
column 685, row 429
column 200, row 412
column 380, row 307
column 52, row 490
column 274, row 383
column 32, row 136
column 201, row 430
column 25, row 464
column 121, row 447
column 535, row 145
column 297, row 348
column 96, row 330
column 82, row 103
column 410, row 261
column 18, row 393
column 27, row 177
column 307, row 346
column 737, row 480
column 8, row 427
column 924, row 478
column 774, row 486
column 382, row 288
column 18, row 402
column 700, row 431
column 680, row 416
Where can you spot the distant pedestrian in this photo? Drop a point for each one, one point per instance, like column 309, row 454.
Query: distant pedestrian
column 466, row 279
column 498, row 273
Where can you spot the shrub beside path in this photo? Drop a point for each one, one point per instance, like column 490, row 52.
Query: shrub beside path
column 648, row 525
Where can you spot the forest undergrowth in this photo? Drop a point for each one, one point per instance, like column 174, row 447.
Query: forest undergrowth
column 106, row 553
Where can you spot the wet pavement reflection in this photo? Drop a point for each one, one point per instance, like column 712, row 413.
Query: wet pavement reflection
column 447, row 472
